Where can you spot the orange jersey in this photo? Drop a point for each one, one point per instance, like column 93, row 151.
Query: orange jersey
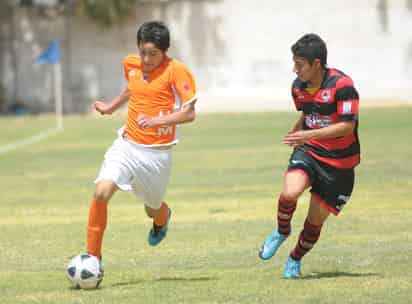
column 163, row 91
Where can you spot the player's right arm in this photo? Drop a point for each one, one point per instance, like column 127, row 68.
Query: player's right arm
column 294, row 92
column 108, row 108
column 299, row 124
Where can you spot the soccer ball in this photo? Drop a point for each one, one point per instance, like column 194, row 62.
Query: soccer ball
column 85, row 271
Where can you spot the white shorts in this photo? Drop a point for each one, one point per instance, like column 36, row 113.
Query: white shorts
column 143, row 170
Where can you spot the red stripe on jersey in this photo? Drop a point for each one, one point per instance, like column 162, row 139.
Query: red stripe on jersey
column 340, row 163
column 334, row 143
column 344, row 81
column 334, row 72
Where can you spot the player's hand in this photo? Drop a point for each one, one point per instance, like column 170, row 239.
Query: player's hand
column 147, row 122
column 102, row 108
column 297, row 138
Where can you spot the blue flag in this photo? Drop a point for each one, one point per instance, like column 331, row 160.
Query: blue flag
column 51, row 54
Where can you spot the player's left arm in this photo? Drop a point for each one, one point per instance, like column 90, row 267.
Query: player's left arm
column 184, row 85
column 347, row 103
column 184, row 115
column 339, row 129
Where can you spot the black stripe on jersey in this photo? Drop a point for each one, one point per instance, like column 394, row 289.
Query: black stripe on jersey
column 299, row 84
column 352, row 150
column 321, row 108
column 348, row 117
column 330, row 82
column 346, row 93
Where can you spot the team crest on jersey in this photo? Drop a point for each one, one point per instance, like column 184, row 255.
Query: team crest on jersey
column 132, row 73
column 326, row 95
column 186, row 86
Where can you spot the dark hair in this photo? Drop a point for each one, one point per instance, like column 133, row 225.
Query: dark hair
column 311, row 47
column 155, row 32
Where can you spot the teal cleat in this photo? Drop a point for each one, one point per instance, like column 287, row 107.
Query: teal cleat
column 292, row 269
column 157, row 234
column 271, row 245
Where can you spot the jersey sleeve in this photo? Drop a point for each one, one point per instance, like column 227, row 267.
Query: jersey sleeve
column 125, row 68
column 130, row 62
column 125, row 72
column 295, row 93
column 184, row 84
column 347, row 100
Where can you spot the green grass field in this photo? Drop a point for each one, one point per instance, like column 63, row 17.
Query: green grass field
column 227, row 174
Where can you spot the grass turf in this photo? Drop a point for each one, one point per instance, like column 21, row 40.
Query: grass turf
column 227, row 173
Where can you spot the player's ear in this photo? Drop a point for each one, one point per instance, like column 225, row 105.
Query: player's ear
column 317, row 63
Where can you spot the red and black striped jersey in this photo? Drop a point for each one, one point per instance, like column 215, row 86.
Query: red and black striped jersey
column 336, row 100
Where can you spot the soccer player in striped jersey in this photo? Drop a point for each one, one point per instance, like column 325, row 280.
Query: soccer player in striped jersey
column 161, row 94
column 325, row 149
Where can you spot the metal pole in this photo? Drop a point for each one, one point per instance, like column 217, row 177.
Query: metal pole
column 58, row 94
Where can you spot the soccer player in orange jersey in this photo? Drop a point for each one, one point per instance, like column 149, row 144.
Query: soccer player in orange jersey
column 326, row 149
column 161, row 94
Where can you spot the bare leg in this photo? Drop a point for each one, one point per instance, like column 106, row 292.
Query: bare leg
column 317, row 215
column 295, row 183
column 104, row 191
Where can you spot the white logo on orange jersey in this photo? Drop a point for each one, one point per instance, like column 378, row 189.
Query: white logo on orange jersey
column 161, row 131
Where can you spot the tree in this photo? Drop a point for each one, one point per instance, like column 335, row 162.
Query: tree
column 107, row 12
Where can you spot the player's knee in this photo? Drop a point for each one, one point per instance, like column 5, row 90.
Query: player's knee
column 291, row 194
column 103, row 194
column 104, row 191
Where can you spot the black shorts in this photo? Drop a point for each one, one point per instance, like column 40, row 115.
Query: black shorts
column 331, row 186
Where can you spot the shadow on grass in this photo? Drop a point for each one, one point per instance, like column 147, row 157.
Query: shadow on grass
column 337, row 274
column 172, row 279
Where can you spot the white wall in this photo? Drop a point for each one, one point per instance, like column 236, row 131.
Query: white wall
column 256, row 37
column 239, row 50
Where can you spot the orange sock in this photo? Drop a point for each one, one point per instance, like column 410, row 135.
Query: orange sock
column 161, row 219
column 96, row 226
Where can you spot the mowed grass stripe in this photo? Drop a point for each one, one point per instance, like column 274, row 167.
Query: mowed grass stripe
column 227, row 174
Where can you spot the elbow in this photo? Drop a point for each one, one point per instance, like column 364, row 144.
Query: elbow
column 348, row 129
column 193, row 115
column 351, row 128
column 190, row 115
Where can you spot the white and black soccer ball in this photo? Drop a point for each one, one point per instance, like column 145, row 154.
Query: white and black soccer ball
column 85, row 271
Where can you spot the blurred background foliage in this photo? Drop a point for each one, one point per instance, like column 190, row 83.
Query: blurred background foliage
column 104, row 12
